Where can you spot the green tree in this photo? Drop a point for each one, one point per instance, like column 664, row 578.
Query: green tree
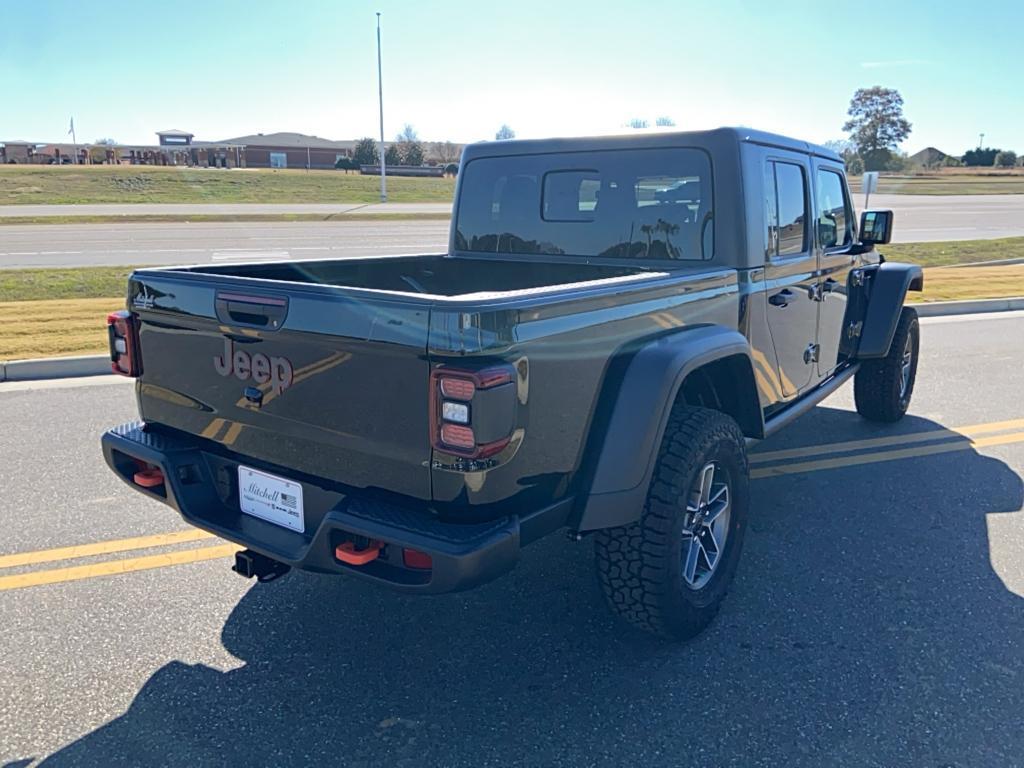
column 411, row 152
column 366, row 152
column 1006, row 159
column 855, row 166
column 410, row 148
column 876, row 125
column 504, row 133
column 392, row 156
column 981, row 157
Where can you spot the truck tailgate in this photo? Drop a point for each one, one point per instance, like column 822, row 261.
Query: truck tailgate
column 296, row 376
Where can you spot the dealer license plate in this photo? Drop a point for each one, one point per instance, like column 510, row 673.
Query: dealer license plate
column 271, row 498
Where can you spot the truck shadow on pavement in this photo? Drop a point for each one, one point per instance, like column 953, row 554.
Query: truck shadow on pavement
column 866, row 626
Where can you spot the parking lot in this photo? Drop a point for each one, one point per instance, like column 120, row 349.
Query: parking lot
column 876, row 618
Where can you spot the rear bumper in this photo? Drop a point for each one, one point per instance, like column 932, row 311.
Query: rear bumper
column 200, row 485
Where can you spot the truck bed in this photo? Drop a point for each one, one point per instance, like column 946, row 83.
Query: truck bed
column 322, row 370
column 433, row 276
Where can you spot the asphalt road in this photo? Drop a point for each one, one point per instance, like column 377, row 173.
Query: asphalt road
column 70, row 245
column 918, row 218
column 876, row 619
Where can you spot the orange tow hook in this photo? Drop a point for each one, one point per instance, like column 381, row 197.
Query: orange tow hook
column 150, row 477
column 348, row 553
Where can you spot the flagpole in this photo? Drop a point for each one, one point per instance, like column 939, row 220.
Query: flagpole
column 74, row 140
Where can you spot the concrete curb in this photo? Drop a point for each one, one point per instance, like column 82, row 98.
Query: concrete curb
column 54, row 368
column 976, row 306
column 96, row 365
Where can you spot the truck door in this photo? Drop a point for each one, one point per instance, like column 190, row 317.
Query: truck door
column 790, row 266
column 834, row 237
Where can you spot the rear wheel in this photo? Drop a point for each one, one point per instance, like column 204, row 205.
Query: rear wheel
column 669, row 572
column 882, row 388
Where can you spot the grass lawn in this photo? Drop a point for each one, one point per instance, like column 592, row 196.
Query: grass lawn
column 949, row 183
column 956, row 252
column 63, row 184
column 46, row 312
column 17, row 285
column 55, row 327
column 956, row 283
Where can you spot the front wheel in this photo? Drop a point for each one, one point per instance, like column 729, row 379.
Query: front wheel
column 882, row 388
column 669, row 572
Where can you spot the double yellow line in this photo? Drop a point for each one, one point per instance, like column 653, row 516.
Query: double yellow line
column 937, row 441
column 787, row 461
column 109, row 567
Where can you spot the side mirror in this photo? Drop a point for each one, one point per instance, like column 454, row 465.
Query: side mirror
column 875, row 227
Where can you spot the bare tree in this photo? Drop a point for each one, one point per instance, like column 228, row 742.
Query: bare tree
column 638, row 123
column 665, row 122
column 408, row 133
column 504, row 133
column 445, row 152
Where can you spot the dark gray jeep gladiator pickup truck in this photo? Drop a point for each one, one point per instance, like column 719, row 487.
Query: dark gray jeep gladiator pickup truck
column 614, row 321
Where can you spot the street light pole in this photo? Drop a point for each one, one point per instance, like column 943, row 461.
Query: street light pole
column 380, row 97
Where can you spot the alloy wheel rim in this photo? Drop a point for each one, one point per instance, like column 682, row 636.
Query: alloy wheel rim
column 707, row 525
column 906, row 366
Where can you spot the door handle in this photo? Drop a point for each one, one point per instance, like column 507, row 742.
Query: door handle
column 781, row 299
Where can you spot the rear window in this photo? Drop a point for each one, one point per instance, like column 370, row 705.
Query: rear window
column 625, row 204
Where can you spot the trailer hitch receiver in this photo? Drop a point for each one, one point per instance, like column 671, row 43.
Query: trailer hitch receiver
column 249, row 564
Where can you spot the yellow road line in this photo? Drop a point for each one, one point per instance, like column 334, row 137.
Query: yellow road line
column 877, row 442
column 112, row 567
column 102, row 548
column 956, row 439
column 962, row 444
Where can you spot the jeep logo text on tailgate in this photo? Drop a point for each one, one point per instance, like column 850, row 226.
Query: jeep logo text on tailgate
column 260, row 368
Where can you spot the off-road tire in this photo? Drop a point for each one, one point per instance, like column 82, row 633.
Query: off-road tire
column 640, row 566
column 877, row 385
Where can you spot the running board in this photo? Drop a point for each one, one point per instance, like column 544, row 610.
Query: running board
column 799, row 407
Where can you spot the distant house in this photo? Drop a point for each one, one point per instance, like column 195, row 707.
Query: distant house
column 16, row 151
column 929, row 157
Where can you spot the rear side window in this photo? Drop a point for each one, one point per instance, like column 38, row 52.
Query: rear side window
column 832, row 211
column 626, row 204
column 786, row 209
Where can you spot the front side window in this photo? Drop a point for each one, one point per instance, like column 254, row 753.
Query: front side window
column 832, row 213
column 633, row 204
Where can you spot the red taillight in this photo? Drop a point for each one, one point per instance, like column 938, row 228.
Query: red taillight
column 455, row 436
column 123, row 334
column 454, row 400
column 457, row 389
column 416, row 559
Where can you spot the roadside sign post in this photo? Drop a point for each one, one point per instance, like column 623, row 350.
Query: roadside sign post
column 869, row 182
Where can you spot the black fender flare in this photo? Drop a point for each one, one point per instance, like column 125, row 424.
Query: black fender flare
column 628, row 447
column 889, row 283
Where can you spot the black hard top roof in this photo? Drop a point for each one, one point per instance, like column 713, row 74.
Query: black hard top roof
column 719, row 138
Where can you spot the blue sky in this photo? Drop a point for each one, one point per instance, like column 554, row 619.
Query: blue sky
column 459, row 69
